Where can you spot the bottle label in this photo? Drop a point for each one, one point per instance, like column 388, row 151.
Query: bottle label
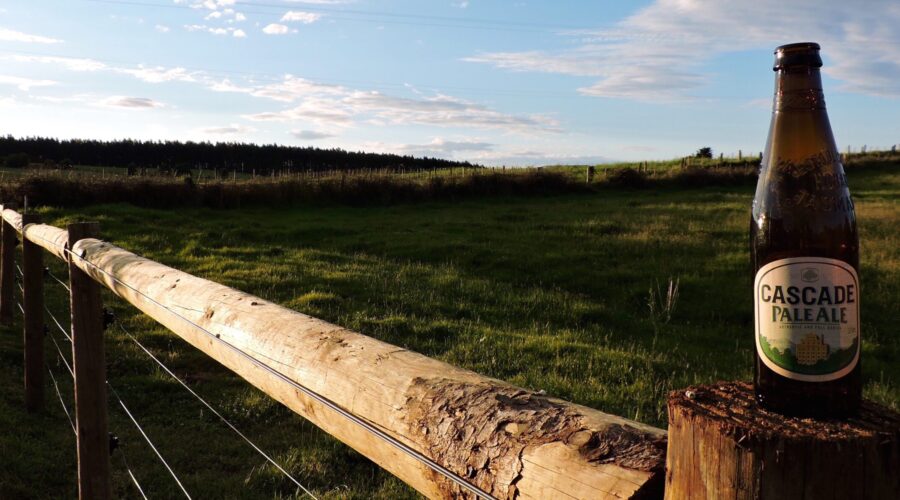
column 807, row 318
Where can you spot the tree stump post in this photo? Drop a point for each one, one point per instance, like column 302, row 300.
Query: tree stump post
column 89, row 364
column 9, row 237
column 33, row 305
column 722, row 445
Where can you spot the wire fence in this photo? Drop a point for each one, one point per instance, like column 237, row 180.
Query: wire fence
column 62, row 358
column 355, row 420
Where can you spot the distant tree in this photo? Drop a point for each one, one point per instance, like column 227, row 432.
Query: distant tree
column 704, row 152
column 165, row 155
column 17, row 160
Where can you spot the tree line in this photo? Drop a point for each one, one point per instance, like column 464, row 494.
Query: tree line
column 225, row 156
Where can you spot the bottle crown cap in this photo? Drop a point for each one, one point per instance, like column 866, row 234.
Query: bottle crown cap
column 797, row 54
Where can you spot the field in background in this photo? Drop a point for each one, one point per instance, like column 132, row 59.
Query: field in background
column 561, row 293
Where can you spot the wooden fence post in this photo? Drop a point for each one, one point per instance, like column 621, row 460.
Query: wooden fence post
column 723, row 446
column 33, row 305
column 90, row 374
column 8, row 240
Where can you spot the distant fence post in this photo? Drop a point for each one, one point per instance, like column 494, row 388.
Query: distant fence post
column 590, row 174
column 33, row 305
column 90, row 374
column 8, row 241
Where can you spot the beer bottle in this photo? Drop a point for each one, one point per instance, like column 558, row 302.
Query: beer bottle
column 805, row 253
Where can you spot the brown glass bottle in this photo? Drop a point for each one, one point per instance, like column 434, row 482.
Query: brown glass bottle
column 805, row 253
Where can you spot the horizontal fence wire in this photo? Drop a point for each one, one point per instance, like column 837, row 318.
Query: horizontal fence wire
column 416, row 455
column 127, row 412
column 368, row 426
column 216, row 413
column 130, row 473
column 147, row 439
column 203, row 401
column 61, row 282
column 61, row 402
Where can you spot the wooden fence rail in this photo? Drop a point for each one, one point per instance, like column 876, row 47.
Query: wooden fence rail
column 445, row 431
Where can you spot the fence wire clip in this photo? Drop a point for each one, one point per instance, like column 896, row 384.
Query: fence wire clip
column 108, row 317
column 113, row 442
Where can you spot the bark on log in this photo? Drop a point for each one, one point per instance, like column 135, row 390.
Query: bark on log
column 722, row 445
column 509, row 441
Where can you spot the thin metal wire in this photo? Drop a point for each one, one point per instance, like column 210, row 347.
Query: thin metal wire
column 216, row 413
column 61, row 402
column 403, row 447
column 61, row 282
column 134, row 480
column 116, row 394
column 147, row 439
column 59, row 351
column 58, row 325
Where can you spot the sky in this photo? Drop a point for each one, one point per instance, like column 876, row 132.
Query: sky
column 490, row 81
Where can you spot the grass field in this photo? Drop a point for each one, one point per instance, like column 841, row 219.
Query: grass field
column 549, row 293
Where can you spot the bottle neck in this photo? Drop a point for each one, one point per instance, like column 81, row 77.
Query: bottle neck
column 799, row 89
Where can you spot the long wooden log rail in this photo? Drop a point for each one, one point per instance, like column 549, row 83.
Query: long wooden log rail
column 445, row 431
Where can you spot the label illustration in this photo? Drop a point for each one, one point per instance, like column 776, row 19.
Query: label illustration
column 807, row 318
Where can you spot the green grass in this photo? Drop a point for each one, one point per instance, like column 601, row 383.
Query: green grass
column 548, row 293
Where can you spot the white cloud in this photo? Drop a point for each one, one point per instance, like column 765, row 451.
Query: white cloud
column 214, row 30
column 213, row 15
column 69, row 63
column 300, row 16
column 339, row 106
column 323, row 111
column 310, row 135
column 275, row 29
column 24, row 83
column 239, row 17
column 662, row 51
column 442, row 147
column 232, row 129
column 162, row 29
column 159, row 74
column 131, row 102
column 321, row 2
column 239, row 34
column 8, row 35
column 442, row 110
column 461, row 5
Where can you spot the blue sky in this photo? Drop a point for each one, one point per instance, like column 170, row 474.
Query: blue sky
column 496, row 82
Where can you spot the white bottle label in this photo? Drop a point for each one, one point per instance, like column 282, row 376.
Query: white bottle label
column 807, row 318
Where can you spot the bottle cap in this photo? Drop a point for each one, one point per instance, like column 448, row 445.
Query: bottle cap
column 797, row 54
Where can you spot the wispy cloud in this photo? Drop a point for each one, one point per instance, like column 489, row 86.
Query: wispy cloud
column 310, row 135
column 442, row 147
column 321, row 2
column 232, row 129
column 662, row 51
column 159, row 74
column 24, row 83
column 276, row 29
column 162, row 28
column 8, row 35
column 69, row 63
column 300, row 16
column 131, row 102
column 327, row 105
